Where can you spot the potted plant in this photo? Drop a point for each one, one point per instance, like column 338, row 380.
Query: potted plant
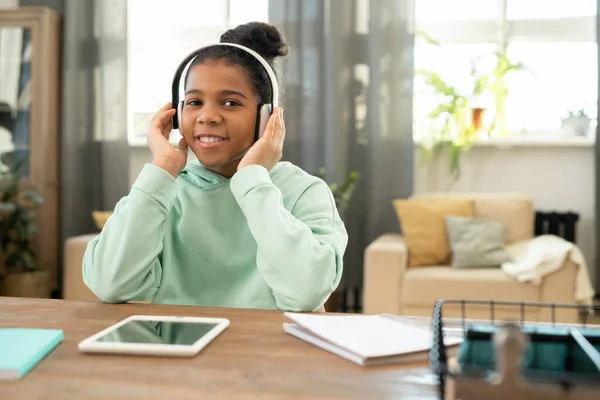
column 342, row 195
column 576, row 122
column 456, row 122
column 451, row 120
column 498, row 87
column 21, row 275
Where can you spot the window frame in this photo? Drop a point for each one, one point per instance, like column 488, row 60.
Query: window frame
column 501, row 30
column 138, row 140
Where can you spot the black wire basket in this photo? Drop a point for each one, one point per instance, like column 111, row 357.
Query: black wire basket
column 438, row 357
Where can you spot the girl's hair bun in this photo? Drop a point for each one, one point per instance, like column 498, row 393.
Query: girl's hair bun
column 261, row 37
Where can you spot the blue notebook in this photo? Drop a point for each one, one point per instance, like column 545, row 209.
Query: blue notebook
column 22, row 348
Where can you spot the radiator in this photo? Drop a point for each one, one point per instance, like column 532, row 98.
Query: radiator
column 557, row 223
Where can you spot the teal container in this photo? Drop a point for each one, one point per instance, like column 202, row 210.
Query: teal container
column 550, row 350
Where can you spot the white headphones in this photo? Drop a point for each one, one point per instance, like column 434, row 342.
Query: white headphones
column 264, row 111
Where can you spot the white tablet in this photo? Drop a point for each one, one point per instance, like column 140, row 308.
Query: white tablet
column 156, row 336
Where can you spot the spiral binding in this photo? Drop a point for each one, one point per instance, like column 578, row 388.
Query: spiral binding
column 437, row 354
column 408, row 321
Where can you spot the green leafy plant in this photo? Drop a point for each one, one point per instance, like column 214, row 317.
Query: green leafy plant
column 17, row 227
column 498, row 87
column 452, row 114
column 456, row 120
column 341, row 193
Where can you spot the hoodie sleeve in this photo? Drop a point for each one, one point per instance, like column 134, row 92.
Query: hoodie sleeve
column 122, row 263
column 299, row 252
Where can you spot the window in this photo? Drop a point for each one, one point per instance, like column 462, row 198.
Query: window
column 161, row 34
column 550, row 9
column 551, row 44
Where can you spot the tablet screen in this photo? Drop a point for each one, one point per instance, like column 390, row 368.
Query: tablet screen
column 158, row 332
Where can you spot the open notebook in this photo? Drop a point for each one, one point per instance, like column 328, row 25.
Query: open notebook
column 367, row 339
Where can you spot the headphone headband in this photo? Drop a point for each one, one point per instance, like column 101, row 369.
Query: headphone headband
column 190, row 58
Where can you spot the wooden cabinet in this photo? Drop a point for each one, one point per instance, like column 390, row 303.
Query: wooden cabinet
column 29, row 115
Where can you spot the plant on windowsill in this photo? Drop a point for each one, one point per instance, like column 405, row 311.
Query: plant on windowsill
column 456, row 122
column 576, row 122
column 21, row 275
column 450, row 129
column 499, row 89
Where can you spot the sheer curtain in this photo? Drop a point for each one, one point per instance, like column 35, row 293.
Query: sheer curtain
column 95, row 151
column 347, row 89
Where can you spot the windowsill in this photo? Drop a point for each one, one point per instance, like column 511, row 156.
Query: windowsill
column 535, row 141
column 140, row 142
column 525, row 141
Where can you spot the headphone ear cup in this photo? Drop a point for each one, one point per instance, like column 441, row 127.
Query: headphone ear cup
column 265, row 114
column 178, row 115
column 174, row 121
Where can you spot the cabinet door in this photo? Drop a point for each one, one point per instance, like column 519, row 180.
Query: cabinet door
column 29, row 107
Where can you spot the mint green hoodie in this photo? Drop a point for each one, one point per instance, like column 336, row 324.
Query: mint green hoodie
column 269, row 240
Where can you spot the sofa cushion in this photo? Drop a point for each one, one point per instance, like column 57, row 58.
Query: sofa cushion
column 514, row 210
column 476, row 242
column 100, row 218
column 423, row 286
column 424, row 227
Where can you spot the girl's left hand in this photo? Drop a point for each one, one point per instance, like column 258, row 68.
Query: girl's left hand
column 268, row 150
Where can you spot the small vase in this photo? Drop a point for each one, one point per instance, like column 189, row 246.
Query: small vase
column 477, row 118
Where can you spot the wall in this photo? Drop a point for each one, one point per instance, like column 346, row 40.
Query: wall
column 140, row 155
column 8, row 3
column 556, row 177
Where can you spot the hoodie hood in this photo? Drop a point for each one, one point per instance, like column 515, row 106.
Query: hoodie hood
column 196, row 174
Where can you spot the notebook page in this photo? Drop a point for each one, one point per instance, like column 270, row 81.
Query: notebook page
column 366, row 335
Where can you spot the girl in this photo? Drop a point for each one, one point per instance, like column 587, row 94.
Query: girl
column 237, row 228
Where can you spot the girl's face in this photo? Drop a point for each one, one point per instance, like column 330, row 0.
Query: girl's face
column 219, row 115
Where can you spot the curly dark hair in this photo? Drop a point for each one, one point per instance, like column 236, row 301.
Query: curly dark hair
column 261, row 37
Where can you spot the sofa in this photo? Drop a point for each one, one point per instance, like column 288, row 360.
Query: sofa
column 392, row 286
column 73, row 286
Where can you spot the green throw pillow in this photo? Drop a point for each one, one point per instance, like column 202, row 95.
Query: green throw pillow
column 476, row 242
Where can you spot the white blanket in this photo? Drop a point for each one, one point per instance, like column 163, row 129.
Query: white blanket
column 538, row 257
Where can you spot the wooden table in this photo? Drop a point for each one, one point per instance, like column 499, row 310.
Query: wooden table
column 252, row 359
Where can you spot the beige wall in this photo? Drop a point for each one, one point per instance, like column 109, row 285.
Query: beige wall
column 556, row 177
column 9, row 3
column 138, row 157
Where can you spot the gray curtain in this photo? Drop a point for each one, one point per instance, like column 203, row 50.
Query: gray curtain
column 95, row 152
column 595, row 273
column 94, row 149
column 347, row 89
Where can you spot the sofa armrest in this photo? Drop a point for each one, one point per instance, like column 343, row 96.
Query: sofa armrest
column 559, row 287
column 384, row 266
column 73, row 286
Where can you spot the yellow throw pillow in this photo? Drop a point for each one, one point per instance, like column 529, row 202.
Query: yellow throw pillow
column 423, row 223
column 100, row 218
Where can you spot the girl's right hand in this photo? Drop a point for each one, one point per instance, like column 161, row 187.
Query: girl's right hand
column 165, row 156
